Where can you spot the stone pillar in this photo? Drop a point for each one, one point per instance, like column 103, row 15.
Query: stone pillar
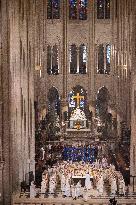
column 133, row 99
column 64, row 71
column 118, row 125
column 91, row 59
column 1, row 181
column 64, row 108
column 5, row 109
column 133, row 133
column 92, row 108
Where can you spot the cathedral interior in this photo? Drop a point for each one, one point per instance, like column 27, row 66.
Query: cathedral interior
column 67, row 86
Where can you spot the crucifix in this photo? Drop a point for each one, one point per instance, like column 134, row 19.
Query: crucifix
column 78, row 97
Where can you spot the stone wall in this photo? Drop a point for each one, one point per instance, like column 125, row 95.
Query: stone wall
column 133, row 97
column 92, row 32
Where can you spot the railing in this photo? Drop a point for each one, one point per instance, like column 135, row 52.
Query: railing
column 24, row 199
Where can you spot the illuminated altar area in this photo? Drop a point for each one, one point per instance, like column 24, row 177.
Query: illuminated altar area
column 78, row 119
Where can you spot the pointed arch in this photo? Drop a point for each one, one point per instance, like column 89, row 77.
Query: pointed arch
column 53, row 100
column 102, row 101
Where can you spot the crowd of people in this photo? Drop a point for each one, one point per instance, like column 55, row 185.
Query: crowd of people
column 77, row 170
column 86, row 153
column 69, row 176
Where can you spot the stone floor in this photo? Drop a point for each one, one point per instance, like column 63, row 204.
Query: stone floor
column 69, row 201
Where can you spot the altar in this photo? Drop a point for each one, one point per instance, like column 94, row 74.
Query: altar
column 81, row 178
column 78, row 119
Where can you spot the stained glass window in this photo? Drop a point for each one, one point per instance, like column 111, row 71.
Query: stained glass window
column 78, row 9
column 83, row 9
column 101, row 59
column 55, row 69
column 72, row 9
column 107, row 9
column 104, row 58
column 103, row 9
column 72, row 102
column 73, row 59
column 53, row 9
column 82, row 59
column 52, row 60
column 77, row 98
column 49, row 59
column 108, row 54
column 100, row 9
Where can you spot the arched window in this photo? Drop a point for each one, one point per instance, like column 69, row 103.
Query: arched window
column 104, row 58
column 103, row 117
column 108, row 54
column 77, row 98
column 83, row 9
column 107, row 9
column 53, row 101
column 82, row 59
column 73, row 59
column 78, row 9
column 53, row 9
column 101, row 59
column 52, row 60
column 72, row 9
column 78, row 59
column 49, row 67
column 102, row 101
column 55, row 68
column 103, row 9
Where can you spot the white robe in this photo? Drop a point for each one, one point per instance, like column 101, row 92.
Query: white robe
column 85, row 195
column 32, row 190
column 78, row 190
column 122, row 187
column 43, row 188
column 100, row 186
column 63, row 183
column 113, row 186
column 67, row 188
column 73, row 192
column 52, row 186
column 88, row 182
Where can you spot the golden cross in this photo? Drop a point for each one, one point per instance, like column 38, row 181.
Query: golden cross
column 78, row 98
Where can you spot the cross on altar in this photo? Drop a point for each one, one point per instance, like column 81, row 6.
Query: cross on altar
column 78, row 97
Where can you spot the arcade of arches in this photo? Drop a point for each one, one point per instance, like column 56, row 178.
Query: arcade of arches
column 67, row 91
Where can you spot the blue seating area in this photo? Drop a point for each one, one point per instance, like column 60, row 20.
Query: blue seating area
column 86, row 154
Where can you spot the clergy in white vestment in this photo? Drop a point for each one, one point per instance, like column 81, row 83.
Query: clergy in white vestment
column 43, row 187
column 73, row 191
column 104, row 162
column 78, row 189
column 85, row 194
column 122, row 186
column 67, row 188
column 43, row 153
column 100, row 185
column 32, row 190
column 88, row 184
column 52, row 185
column 113, row 186
column 63, row 183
